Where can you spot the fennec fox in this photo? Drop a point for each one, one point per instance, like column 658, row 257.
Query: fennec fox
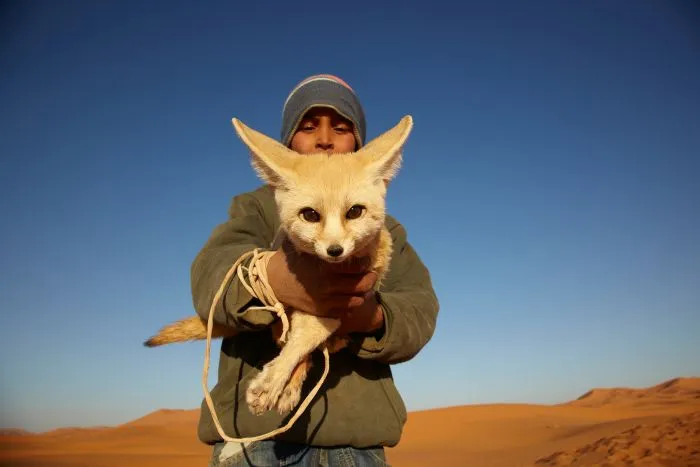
column 331, row 206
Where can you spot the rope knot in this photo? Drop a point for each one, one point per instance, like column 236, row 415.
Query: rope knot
column 282, row 314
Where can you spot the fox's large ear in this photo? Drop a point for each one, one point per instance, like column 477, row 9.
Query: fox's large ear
column 271, row 160
column 383, row 154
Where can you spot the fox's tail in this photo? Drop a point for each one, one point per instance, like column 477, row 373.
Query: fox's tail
column 188, row 329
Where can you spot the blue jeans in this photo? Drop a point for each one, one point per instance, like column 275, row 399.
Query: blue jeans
column 270, row 453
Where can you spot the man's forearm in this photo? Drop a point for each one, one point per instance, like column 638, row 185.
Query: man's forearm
column 409, row 308
column 207, row 274
column 245, row 231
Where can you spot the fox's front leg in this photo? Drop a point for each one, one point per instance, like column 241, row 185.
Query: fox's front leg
column 306, row 333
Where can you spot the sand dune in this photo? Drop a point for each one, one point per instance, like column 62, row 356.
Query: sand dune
column 675, row 391
column 673, row 441
column 656, row 426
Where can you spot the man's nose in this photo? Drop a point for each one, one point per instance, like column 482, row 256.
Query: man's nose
column 324, row 141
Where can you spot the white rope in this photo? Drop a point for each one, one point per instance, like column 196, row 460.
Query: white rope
column 260, row 288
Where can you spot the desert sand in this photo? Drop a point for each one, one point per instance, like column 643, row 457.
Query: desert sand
column 655, row 426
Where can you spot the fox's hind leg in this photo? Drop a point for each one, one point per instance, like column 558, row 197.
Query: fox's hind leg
column 306, row 333
column 291, row 395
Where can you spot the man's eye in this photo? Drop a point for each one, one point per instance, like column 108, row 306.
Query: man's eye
column 309, row 215
column 355, row 212
column 342, row 129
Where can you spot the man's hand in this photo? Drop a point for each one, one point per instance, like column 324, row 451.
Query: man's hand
column 367, row 318
column 307, row 283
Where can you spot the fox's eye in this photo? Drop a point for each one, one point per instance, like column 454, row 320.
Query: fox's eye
column 309, row 215
column 355, row 212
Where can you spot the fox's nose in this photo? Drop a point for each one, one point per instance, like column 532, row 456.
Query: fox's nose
column 335, row 250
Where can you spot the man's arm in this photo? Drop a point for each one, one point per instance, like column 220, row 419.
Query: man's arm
column 409, row 305
column 246, row 229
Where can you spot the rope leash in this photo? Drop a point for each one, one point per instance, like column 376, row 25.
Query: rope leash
column 260, row 288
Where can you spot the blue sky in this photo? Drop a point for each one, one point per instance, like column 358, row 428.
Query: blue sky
column 550, row 185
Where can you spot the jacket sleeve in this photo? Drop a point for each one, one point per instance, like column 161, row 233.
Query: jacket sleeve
column 245, row 230
column 409, row 303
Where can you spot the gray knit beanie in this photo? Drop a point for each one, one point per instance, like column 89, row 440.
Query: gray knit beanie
column 322, row 91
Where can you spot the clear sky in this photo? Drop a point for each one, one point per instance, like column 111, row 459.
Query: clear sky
column 550, row 185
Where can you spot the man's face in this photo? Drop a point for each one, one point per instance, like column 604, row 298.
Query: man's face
column 323, row 130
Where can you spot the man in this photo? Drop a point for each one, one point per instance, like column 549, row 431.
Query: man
column 358, row 410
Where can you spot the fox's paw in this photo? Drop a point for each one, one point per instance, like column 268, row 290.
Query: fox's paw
column 264, row 391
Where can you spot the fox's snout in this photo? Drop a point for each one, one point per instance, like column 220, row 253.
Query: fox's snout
column 335, row 250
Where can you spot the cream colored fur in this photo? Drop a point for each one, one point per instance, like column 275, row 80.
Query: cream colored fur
column 330, row 184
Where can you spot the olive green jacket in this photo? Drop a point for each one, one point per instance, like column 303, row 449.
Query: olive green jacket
column 358, row 405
